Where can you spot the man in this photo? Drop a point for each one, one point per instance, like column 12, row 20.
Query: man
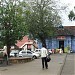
column 43, row 57
column 5, row 54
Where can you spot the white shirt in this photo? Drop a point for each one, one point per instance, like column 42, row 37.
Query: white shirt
column 5, row 50
column 43, row 52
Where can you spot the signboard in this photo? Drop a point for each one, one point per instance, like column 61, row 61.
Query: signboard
column 61, row 37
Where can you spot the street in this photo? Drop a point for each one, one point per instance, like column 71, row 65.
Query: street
column 69, row 67
column 35, row 68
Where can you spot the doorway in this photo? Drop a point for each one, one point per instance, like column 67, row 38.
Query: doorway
column 61, row 45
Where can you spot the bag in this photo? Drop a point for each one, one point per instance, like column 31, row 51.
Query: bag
column 48, row 58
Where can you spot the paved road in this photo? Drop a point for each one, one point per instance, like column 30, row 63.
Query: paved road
column 34, row 67
column 69, row 67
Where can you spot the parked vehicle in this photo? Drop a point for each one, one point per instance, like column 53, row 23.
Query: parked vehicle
column 38, row 51
column 28, row 53
column 36, row 55
column 24, row 53
column 14, row 53
column 1, row 50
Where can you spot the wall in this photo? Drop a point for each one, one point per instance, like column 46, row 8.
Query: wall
column 73, row 44
column 54, row 43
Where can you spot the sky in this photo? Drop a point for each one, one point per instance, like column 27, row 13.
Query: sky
column 70, row 6
column 64, row 13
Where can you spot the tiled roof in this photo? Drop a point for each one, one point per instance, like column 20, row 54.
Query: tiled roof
column 66, row 30
column 71, row 29
column 22, row 42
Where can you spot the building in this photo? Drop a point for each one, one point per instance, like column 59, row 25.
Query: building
column 64, row 38
column 26, row 44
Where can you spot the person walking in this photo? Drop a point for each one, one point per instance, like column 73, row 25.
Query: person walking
column 43, row 57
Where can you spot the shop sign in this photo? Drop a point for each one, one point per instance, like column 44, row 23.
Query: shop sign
column 61, row 37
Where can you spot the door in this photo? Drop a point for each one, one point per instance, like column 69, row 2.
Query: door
column 24, row 53
column 61, row 45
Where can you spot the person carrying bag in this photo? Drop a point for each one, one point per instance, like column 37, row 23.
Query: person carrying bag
column 48, row 58
column 44, row 54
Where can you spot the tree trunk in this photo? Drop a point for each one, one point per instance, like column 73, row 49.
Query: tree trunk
column 8, row 50
column 43, row 42
column 42, row 38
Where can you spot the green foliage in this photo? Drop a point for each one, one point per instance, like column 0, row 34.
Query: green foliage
column 1, row 44
column 67, row 49
column 12, row 24
column 71, row 15
column 18, row 18
column 1, row 54
column 43, row 19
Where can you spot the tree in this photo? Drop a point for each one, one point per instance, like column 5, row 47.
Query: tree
column 71, row 15
column 12, row 24
column 42, row 20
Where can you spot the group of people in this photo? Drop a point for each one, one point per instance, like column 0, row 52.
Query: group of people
column 44, row 53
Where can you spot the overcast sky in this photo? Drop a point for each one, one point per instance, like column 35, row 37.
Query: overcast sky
column 64, row 14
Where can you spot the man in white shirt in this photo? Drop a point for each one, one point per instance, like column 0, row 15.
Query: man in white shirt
column 43, row 57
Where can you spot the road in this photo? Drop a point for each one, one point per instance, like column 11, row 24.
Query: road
column 69, row 67
column 35, row 67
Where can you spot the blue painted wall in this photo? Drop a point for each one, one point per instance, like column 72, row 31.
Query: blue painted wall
column 73, row 44
column 54, row 43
